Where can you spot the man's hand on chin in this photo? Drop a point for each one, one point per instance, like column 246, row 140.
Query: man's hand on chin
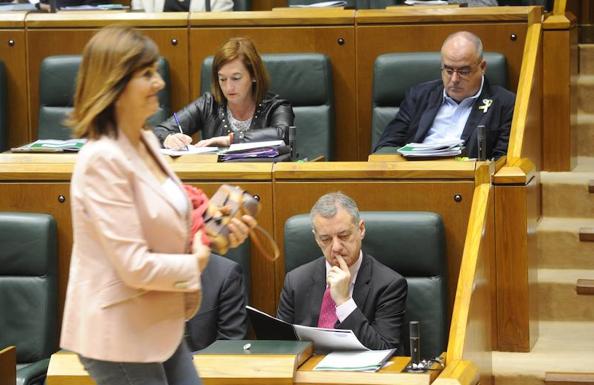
column 339, row 281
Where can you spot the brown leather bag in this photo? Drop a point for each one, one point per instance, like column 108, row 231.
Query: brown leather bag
column 227, row 203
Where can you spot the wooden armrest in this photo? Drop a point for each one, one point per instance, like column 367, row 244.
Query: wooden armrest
column 8, row 365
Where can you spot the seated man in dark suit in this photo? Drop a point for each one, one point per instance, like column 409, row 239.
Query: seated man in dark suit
column 452, row 108
column 222, row 314
column 347, row 288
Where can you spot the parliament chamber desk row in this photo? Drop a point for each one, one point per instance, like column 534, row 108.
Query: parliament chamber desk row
column 40, row 183
column 296, row 366
column 352, row 40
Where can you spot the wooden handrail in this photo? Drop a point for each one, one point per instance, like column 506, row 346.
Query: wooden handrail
column 559, row 7
column 528, row 76
column 467, row 278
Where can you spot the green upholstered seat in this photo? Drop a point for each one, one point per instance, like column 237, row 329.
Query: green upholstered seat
column 411, row 243
column 3, row 109
column 29, row 291
column 242, row 5
column 305, row 80
column 395, row 73
column 57, row 84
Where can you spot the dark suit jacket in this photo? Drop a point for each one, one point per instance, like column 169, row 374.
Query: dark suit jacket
column 379, row 292
column 222, row 314
column 420, row 106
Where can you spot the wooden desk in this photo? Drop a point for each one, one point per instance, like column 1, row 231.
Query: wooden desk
column 8, row 365
column 261, row 369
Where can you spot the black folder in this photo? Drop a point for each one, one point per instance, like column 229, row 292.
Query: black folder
column 269, row 328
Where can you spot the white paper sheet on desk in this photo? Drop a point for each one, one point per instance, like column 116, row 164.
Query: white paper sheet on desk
column 191, row 150
column 366, row 361
column 237, row 147
column 329, row 339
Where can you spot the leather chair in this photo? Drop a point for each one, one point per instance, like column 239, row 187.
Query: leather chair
column 242, row 5
column 29, row 291
column 411, row 243
column 57, row 84
column 395, row 73
column 3, row 110
column 305, row 80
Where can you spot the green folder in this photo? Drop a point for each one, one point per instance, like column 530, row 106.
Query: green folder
column 256, row 347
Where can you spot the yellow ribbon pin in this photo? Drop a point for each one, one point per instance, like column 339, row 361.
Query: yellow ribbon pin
column 486, row 104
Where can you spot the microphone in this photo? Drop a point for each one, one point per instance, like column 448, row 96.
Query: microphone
column 481, row 137
column 415, row 343
column 292, row 141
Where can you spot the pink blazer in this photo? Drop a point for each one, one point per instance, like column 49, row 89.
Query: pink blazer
column 132, row 281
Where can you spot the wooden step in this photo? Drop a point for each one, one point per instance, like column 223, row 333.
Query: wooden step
column 591, row 186
column 586, row 234
column 568, row 378
column 585, row 287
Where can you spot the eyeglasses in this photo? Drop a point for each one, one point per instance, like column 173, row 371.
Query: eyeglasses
column 463, row 72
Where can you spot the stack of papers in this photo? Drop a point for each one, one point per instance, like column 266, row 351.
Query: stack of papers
column 254, row 150
column 432, row 150
column 190, row 150
column 365, row 361
column 52, row 145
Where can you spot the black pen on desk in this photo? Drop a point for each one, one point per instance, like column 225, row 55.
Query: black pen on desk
column 179, row 126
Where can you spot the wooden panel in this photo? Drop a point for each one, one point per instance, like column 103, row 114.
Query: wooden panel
column 379, row 39
column 585, row 286
column 559, row 111
column 586, row 234
column 46, row 42
column 389, row 195
column 8, row 365
column 517, row 212
column 205, row 41
column 14, row 60
column 569, row 378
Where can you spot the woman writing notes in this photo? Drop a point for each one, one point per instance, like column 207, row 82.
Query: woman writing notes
column 240, row 108
column 135, row 269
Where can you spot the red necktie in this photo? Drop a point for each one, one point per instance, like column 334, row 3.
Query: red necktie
column 327, row 311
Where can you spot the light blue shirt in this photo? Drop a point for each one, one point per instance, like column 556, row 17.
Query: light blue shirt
column 451, row 118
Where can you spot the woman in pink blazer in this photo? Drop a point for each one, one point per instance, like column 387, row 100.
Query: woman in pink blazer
column 134, row 278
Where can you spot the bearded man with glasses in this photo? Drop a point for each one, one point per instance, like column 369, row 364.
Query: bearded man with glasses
column 453, row 107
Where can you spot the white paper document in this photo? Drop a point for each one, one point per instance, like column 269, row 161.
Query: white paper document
column 364, row 361
column 329, row 339
column 268, row 327
column 191, row 150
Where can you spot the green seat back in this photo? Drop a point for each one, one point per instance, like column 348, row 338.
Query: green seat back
column 411, row 243
column 3, row 109
column 29, row 291
column 305, row 80
column 242, row 5
column 57, row 84
column 395, row 73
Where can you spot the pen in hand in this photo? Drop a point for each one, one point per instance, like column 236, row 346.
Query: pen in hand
column 179, row 126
